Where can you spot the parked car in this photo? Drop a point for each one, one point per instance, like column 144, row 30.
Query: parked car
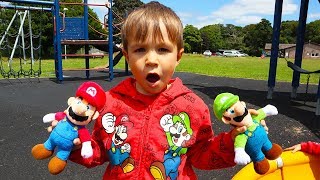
column 233, row 53
column 219, row 54
column 207, row 53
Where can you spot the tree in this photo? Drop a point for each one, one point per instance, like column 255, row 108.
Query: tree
column 313, row 32
column 192, row 39
column 256, row 36
column 212, row 38
column 233, row 36
column 288, row 33
column 121, row 9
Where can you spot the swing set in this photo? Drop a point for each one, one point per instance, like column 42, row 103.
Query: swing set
column 296, row 66
column 67, row 31
column 23, row 42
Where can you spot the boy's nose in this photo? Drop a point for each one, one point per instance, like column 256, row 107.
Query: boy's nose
column 152, row 58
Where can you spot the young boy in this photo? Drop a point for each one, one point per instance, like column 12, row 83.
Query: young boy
column 152, row 126
column 308, row 147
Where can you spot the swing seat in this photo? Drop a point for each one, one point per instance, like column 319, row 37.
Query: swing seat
column 302, row 71
column 299, row 69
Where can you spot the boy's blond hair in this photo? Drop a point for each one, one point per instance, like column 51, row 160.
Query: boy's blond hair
column 146, row 19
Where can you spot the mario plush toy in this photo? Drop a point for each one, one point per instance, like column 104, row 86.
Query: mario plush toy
column 69, row 127
column 254, row 142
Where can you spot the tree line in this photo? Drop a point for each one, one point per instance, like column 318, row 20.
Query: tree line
column 250, row 39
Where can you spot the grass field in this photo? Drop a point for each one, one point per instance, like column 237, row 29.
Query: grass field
column 241, row 67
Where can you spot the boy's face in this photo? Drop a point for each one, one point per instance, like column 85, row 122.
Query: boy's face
column 153, row 62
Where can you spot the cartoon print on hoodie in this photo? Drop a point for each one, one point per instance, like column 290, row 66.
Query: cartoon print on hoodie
column 119, row 151
column 178, row 132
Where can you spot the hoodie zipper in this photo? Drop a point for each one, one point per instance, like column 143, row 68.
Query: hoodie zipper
column 145, row 139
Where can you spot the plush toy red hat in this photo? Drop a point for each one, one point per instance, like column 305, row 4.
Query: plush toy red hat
column 93, row 93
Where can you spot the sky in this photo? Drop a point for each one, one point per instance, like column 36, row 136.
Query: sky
column 237, row 12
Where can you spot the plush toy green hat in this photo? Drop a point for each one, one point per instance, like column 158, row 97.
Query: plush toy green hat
column 222, row 102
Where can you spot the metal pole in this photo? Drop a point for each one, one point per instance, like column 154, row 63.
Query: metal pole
column 16, row 41
column 58, row 40
column 25, row 8
column 275, row 47
column 49, row 3
column 299, row 46
column 110, row 40
column 7, row 30
column 31, row 40
column 86, row 37
column 65, row 46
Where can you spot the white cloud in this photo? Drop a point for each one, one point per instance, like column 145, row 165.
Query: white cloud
column 248, row 19
column 314, row 15
column 245, row 12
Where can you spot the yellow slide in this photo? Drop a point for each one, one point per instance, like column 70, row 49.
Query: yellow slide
column 289, row 166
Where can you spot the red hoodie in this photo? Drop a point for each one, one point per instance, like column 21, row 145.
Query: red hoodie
column 311, row 147
column 162, row 136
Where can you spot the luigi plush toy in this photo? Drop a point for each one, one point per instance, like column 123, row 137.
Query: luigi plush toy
column 254, row 143
column 68, row 127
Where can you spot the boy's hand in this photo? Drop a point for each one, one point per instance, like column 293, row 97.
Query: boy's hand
column 294, row 148
column 236, row 131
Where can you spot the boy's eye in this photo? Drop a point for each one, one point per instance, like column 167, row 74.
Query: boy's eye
column 139, row 50
column 163, row 50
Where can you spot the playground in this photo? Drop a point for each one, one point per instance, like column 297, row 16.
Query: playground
column 24, row 102
column 25, row 99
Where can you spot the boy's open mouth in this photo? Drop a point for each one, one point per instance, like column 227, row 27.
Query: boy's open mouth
column 153, row 77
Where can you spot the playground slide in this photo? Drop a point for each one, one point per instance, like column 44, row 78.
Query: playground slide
column 289, row 166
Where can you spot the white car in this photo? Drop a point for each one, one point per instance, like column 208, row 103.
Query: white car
column 207, row 53
column 233, row 53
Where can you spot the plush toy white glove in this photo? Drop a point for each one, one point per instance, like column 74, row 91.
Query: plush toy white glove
column 49, row 117
column 270, row 110
column 241, row 157
column 86, row 150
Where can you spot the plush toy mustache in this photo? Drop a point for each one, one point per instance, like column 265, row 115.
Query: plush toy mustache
column 77, row 117
column 240, row 118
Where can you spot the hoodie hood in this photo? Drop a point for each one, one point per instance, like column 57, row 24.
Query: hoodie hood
column 126, row 89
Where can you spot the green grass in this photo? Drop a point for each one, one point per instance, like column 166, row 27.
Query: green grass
column 242, row 67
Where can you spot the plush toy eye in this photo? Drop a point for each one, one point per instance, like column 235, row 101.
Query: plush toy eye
column 88, row 107
column 231, row 111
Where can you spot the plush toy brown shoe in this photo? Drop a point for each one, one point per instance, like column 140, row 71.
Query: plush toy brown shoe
column 158, row 171
column 40, row 152
column 56, row 165
column 128, row 165
column 274, row 152
column 261, row 167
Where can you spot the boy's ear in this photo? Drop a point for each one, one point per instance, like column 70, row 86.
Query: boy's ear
column 179, row 55
column 125, row 53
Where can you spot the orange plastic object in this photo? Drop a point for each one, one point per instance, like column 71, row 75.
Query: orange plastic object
column 289, row 166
